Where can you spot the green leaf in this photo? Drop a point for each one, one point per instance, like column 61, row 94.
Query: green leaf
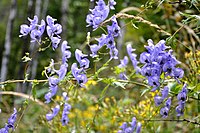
column 122, row 85
column 34, row 93
column 145, row 91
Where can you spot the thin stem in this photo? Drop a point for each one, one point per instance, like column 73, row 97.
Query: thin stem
column 133, row 82
column 24, row 96
column 176, row 120
column 20, row 80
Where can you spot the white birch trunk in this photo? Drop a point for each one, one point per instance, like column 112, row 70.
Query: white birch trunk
column 8, row 41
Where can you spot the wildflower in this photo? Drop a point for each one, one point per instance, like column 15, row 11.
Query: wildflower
column 138, row 129
column 67, row 108
column 182, row 97
column 79, row 75
column 111, row 4
column 94, row 48
column 123, row 64
column 66, row 54
column 33, row 29
column 81, row 58
column 158, row 100
column 130, row 129
column 98, row 14
column 53, row 31
column 180, row 109
column 11, row 122
column 132, row 57
column 62, row 71
column 114, row 29
column 165, row 92
column 156, row 61
column 55, row 111
column 165, row 110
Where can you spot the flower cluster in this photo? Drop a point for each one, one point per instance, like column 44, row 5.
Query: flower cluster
column 113, row 31
column 60, row 74
column 66, row 109
column 10, row 124
column 182, row 97
column 130, row 129
column 165, row 110
column 159, row 99
column 36, row 31
column 123, row 64
column 80, row 73
column 56, row 110
column 99, row 13
column 53, row 31
column 156, row 61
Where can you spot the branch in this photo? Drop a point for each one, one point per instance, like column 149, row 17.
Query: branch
column 24, row 96
column 182, row 120
column 140, row 19
column 19, row 81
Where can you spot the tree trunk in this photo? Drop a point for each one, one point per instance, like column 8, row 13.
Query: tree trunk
column 6, row 53
column 21, row 87
column 65, row 7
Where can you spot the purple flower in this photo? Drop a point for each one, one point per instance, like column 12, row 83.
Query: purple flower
column 165, row 92
column 48, row 97
column 114, row 29
column 154, row 81
column 94, row 49
column 98, row 14
column 114, row 53
column 81, row 58
column 164, row 112
column 11, row 122
column 34, row 29
column 36, row 35
column 123, row 62
column 102, row 40
column 180, row 109
column 75, row 70
column 132, row 57
column 66, row 54
column 110, row 43
column 145, row 57
column 55, row 111
column 65, row 119
column 79, row 75
column 53, row 31
column 130, row 129
column 158, row 100
column 53, row 85
column 24, row 30
column 123, row 127
column 55, row 41
column 66, row 109
column 33, row 22
column 111, row 4
column 168, row 103
column 182, row 96
column 4, row 130
column 62, row 71
column 12, row 119
column 139, row 126
column 133, row 123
